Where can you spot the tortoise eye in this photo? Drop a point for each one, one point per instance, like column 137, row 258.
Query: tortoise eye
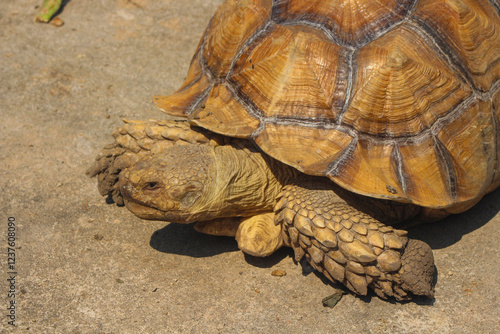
column 152, row 186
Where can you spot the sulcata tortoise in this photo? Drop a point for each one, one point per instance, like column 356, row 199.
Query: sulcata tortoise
column 325, row 125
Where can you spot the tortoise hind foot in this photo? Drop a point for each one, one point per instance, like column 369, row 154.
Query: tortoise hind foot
column 351, row 247
column 136, row 140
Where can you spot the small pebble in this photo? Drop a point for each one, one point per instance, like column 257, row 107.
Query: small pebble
column 57, row 22
column 278, row 273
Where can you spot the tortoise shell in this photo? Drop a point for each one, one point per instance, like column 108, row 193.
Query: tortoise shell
column 394, row 99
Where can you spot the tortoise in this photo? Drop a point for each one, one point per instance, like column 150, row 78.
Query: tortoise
column 327, row 126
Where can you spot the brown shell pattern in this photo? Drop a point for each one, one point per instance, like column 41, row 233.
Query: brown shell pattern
column 396, row 99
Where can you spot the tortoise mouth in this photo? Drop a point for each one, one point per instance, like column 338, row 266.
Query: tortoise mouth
column 141, row 210
column 149, row 212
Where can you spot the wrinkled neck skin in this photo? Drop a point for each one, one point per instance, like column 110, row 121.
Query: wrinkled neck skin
column 245, row 182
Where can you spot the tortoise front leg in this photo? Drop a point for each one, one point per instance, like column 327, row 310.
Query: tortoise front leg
column 351, row 247
column 256, row 235
column 259, row 236
column 226, row 227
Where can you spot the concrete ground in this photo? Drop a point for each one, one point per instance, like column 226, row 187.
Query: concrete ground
column 83, row 266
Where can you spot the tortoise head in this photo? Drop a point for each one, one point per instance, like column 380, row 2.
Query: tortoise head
column 172, row 185
column 194, row 182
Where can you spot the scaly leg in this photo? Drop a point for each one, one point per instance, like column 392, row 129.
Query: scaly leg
column 351, row 247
